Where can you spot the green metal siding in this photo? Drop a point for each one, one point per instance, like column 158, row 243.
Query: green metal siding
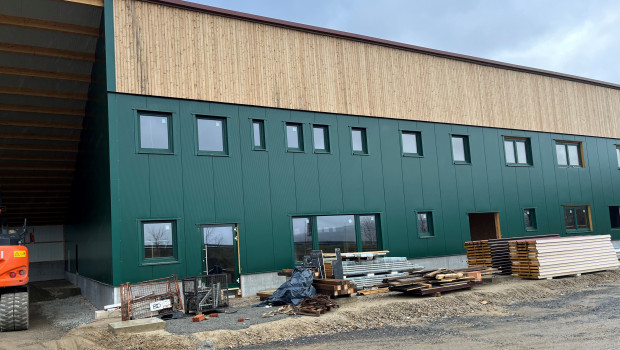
column 261, row 190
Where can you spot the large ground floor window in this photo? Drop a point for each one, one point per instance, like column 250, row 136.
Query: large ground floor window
column 350, row 233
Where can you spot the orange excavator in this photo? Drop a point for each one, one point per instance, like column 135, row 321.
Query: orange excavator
column 13, row 277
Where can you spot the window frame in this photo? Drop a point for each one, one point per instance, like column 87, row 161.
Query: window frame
column 610, row 221
column 535, row 219
column 528, row 150
column 566, row 143
column 618, row 155
column 364, row 136
column 174, row 259
column 418, row 140
column 224, row 120
column 300, row 137
column 466, row 149
column 431, row 225
column 358, row 232
column 263, row 140
column 577, row 230
column 326, row 139
column 138, row 135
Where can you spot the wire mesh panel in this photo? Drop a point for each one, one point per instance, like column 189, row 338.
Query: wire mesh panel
column 150, row 298
column 205, row 293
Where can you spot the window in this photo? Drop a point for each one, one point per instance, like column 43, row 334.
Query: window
column 569, row 154
column 294, row 137
column 212, row 136
column 517, row 151
column 618, row 154
column 460, row 149
column 350, row 233
column 155, row 132
column 159, row 238
column 302, row 237
column 320, row 138
column 412, row 143
column 614, row 216
column 358, row 139
column 258, row 134
column 529, row 216
column 577, row 218
column 425, row 224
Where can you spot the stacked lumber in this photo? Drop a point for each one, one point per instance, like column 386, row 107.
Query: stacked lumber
column 315, row 306
column 333, row 287
column 433, row 282
column 562, row 256
column 493, row 253
column 367, row 274
column 265, row 294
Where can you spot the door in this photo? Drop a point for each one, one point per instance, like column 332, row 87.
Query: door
column 484, row 226
column 221, row 247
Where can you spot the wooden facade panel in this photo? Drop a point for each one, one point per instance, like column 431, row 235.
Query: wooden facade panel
column 172, row 52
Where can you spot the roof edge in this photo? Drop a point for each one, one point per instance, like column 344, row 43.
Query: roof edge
column 376, row 41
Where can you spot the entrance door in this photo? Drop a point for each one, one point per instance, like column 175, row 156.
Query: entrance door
column 484, row 226
column 220, row 249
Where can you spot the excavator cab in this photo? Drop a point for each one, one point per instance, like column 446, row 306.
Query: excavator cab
column 14, row 264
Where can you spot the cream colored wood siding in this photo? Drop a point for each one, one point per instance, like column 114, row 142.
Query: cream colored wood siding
column 172, row 52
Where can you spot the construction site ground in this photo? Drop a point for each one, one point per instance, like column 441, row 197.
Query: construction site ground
column 568, row 313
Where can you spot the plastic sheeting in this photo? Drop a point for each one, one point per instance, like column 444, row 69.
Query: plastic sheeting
column 295, row 290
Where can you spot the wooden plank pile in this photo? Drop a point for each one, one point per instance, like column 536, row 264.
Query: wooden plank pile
column 434, row 282
column 309, row 307
column 539, row 258
column 333, row 287
column 493, row 253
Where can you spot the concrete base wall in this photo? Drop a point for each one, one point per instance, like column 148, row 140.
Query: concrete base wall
column 251, row 284
column 100, row 294
column 46, row 271
column 450, row 262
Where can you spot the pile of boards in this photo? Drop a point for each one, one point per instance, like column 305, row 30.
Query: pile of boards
column 538, row 258
column 437, row 281
column 333, row 287
column 309, row 307
column 493, row 253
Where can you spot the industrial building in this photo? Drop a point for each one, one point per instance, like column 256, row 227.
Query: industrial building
column 148, row 138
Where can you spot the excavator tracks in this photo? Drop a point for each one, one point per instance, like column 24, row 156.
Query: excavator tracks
column 14, row 311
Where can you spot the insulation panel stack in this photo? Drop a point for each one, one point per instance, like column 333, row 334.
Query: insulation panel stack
column 562, row 256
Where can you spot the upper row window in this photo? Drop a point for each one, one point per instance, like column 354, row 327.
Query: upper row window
column 460, row 149
column 569, row 153
column 212, row 136
column 155, row 132
column 517, row 151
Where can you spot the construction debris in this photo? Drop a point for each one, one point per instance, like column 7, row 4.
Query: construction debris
column 433, row 282
column 333, row 287
column 150, row 298
column 562, row 256
column 373, row 291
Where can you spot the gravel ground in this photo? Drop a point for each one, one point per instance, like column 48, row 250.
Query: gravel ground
column 68, row 313
column 226, row 320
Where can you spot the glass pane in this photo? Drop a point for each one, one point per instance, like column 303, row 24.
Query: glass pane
column 358, row 145
column 210, row 135
column 158, row 240
column 368, row 230
column 220, row 245
column 521, row 152
column 509, row 148
column 319, row 138
column 458, row 149
column 336, row 232
column 561, row 152
column 292, row 136
column 614, row 216
column 569, row 218
column 423, row 224
column 526, row 216
column 302, row 237
column 257, row 127
column 573, row 154
column 618, row 156
column 410, row 143
column 154, row 132
column 582, row 218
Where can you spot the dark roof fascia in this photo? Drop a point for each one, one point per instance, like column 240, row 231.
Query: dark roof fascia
column 376, row 41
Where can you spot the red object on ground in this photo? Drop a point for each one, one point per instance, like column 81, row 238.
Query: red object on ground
column 240, row 319
column 213, row 315
column 198, row 318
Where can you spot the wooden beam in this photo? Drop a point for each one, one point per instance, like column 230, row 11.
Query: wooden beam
column 35, row 176
column 35, row 73
column 42, row 110
column 47, row 52
column 10, row 189
column 98, row 3
column 43, row 158
column 36, row 166
column 42, row 148
column 20, row 136
column 48, row 25
column 40, row 124
column 7, row 90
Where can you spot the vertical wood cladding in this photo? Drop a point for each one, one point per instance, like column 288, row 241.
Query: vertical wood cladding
column 172, row 52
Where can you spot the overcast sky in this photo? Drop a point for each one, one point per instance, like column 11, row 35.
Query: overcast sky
column 579, row 37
